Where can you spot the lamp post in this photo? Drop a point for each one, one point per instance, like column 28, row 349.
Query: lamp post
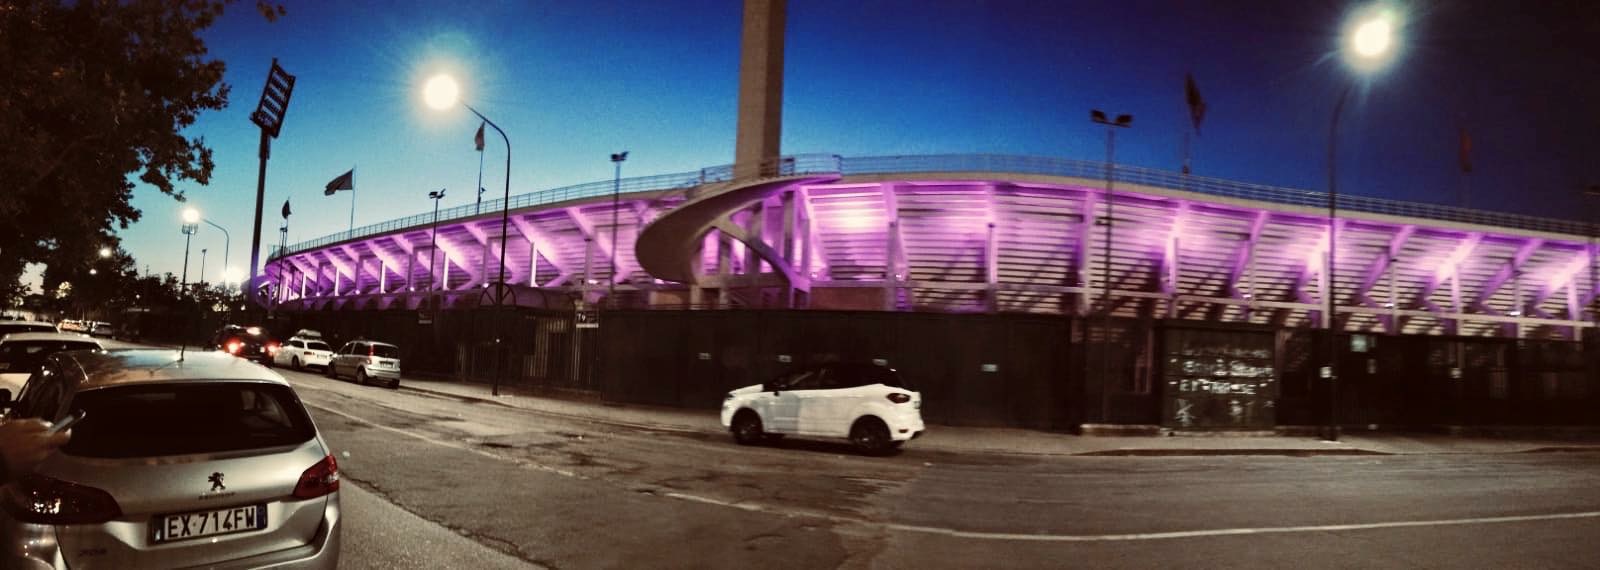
column 441, row 92
column 1120, row 122
column 433, row 237
column 227, row 241
column 191, row 225
column 202, row 279
column 105, row 252
column 1369, row 43
column 616, row 204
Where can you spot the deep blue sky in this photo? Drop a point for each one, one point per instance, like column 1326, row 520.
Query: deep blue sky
column 573, row 82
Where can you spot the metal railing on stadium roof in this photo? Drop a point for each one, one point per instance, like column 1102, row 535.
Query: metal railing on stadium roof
column 1000, row 164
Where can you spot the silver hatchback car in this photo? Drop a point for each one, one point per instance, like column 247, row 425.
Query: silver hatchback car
column 207, row 460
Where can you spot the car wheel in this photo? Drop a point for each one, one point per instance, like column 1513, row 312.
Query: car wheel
column 361, row 376
column 294, row 363
column 870, row 435
column 746, row 428
column 394, row 384
column 328, row 370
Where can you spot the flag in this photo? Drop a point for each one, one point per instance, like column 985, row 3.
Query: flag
column 346, row 181
column 478, row 139
column 1197, row 105
column 1466, row 151
column 286, row 208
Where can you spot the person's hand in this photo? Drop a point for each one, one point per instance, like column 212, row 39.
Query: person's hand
column 24, row 443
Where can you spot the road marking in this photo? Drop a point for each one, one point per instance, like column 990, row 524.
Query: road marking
column 977, row 535
column 1234, row 531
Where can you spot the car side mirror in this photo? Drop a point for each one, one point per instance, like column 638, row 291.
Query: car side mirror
column 5, row 398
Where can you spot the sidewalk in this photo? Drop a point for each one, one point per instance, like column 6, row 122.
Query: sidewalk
column 1021, row 441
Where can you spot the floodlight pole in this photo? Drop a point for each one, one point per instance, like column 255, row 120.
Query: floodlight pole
column 1121, row 121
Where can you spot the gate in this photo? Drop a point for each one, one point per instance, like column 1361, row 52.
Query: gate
column 1219, row 379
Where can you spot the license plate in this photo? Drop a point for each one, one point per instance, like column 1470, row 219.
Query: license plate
column 184, row 526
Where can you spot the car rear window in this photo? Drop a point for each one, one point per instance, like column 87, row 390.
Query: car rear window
column 314, row 345
column 385, row 351
column 177, row 419
column 26, row 355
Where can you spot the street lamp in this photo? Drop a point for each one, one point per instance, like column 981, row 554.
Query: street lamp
column 105, row 252
column 1369, row 43
column 202, row 279
column 1120, row 122
column 442, row 92
column 191, row 219
column 433, row 238
column 616, row 204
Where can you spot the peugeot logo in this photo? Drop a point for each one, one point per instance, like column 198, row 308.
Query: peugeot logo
column 216, row 482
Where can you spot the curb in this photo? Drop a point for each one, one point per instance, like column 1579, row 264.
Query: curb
column 1224, row 452
column 604, row 421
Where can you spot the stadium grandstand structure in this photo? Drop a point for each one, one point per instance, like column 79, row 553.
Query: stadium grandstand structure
column 969, row 234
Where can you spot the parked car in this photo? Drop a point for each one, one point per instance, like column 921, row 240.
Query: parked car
column 248, row 342
column 301, row 351
column 868, row 404
column 9, row 327
column 102, row 329
column 366, row 360
column 204, row 461
column 22, row 353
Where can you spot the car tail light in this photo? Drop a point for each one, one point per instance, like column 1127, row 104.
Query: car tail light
column 272, row 348
column 899, row 398
column 42, row 500
column 372, row 354
column 319, row 480
column 234, row 346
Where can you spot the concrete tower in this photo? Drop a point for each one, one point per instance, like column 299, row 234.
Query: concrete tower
column 760, row 87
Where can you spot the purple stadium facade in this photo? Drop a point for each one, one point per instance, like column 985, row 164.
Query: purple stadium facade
column 976, row 233
column 1015, row 290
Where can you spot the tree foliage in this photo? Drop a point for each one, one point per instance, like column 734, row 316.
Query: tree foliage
column 94, row 96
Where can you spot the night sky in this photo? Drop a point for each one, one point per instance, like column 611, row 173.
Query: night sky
column 572, row 82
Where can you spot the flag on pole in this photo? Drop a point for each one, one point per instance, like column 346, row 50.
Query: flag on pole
column 346, row 181
column 1466, row 151
column 1197, row 104
column 286, row 208
column 478, row 139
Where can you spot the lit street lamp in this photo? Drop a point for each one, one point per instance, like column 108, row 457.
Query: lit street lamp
column 1369, row 44
column 1122, row 122
column 191, row 224
column 105, row 252
column 442, row 92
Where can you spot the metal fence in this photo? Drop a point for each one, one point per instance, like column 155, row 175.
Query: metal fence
column 999, row 164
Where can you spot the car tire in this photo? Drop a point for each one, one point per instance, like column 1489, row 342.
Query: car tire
column 871, row 436
column 294, row 363
column 746, row 428
column 394, row 384
column 328, row 371
column 361, row 376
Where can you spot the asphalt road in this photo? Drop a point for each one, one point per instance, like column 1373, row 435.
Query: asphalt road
column 569, row 493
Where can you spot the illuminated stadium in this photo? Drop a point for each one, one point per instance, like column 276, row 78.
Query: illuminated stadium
column 1148, row 271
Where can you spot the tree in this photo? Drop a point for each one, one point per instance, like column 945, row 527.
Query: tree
column 94, row 95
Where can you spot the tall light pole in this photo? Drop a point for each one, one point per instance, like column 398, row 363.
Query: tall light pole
column 433, row 237
column 616, row 204
column 1121, row 122
column 227, row 241
column 441, row 92
column 1368, row 44
column 268, row 116
column 191, row 224
column 202, row 279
